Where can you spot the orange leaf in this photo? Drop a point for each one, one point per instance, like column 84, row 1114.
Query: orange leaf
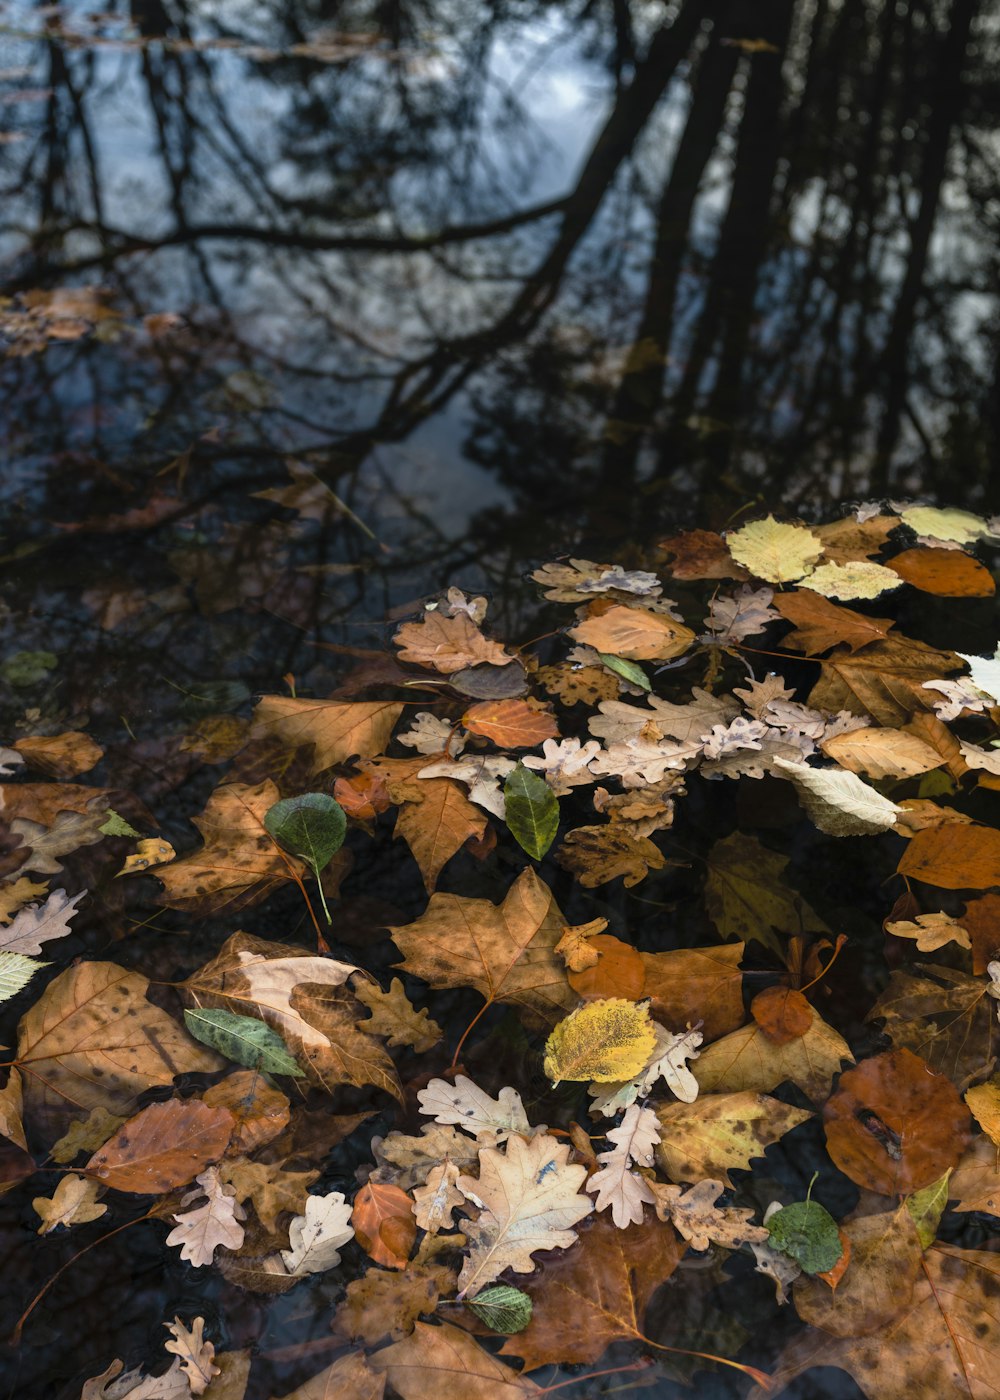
column 894, row 1125
column 948, row 573
column 821, row 624
column 782, row 1014
column 635, row 633
column 834, row 1275
column 697, row 985
column 164, row 1146
column 384, row 1224
column 618, row 972
column 362, row 796
column 981, row 922
column 511, row 724
column 953, row 857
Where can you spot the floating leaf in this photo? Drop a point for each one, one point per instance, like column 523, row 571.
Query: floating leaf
column 16, row 971
column 164, row 1146
column 245, row 1039
column 532, row 811
column 775, row 551
column 503, row 1309
column 628, row 670
column 839, row 803
column 600, row 1042
column 807, row 1233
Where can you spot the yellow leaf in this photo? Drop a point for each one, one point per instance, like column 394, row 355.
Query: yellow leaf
column 858, row 579
column 153, row 851
column 959, row 526
column 774, row 551
column 601, row 1042
column 984, row 1102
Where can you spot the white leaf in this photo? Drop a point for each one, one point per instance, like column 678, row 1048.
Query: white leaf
column 976, row 757
column 668, row 1062
column 16, row 971
column 616, row 1186
column 638, row 762
column 730, row 619
column 428, row 734
column 199, row 1232
column 839, row 803
column 564, row 763
column 471, row 1108
column 959, row 695
column 36, row 924
column 481, row 775
column 985, row 673
column 316, row 1237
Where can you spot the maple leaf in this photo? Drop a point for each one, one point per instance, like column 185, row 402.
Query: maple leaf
column 95, row 1017
column 529, row 1201
column 821, row 625
column 749, row 1058
column 437, row 1361
column 506, row 952
column 197, row 1357
column 315, row 1237
column 239, row 864
column 394, row 1016
column 337, row 729
column 200, row 1231
column 464, row 1103
column 447, row 644
column 943, row 1015
column 717, row 1132
column 616, row 1186
column 74, row 1202
column 38, row 923
column 697, row 1218
column 745, row 893
column 595, row 1293
column 436, row 819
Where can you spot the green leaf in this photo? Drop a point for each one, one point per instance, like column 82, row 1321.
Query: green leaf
column 926, row 1206
column 117, row 826
column 27, row 668
column 312, row 826
column 243, row 1039
column 808, row 1234
column 532, row 811
column 16, row 971
column 502, row 1308
column 629, row 670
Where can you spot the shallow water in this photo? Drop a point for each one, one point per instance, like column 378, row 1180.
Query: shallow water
column 512, row 279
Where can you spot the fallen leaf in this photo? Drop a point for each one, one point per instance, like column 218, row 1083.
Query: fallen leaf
column 634, row 633
column 62, row 755
column 882, row 753
column 406, row 1161
column 602, row 1041
column 894, row 1125
column 74, row 1202
column 271, row 1187
column 668, row 1062
column 68, row 833
column 436, row 1361
column 582, row 578
column 315, row 1237
column 564, row 765
column 36, row 924
column 505, row 951
column 395, row 1017
column 839, row 803
column 945, row 523
column 947, row 573
column 697, row 1218
column 436, row 819
column 975, row 1182
column 447, row 644
column 383, row 1223
column 575, row 947
column 699, row 984
column 197, row 1356
column 95, row 1016
column 382, row 1304
column 597, row 854
column 748, row 1058
column 349, row 1378
column 12, row 1112
column 984, row 1105
column 884, row 680
column 782, row 1013
column 511, row 724
column 147, row 854
column 718, row 1132
column 746, row 895
column 164, row 1146
column 857, row 579
column 337, row 729
column 775, row 551
column 529, row 1201
column 615, row 1185
column 821, row 625
column 617, row 970
column 464, row 1103
column 930, row 932
column 596, row 1293
column 200, row 1231
column 435, row 1202
column 953, row 857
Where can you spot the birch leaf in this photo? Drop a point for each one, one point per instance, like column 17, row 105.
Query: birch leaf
column 839, row 803
column 774, row 551
column 605, row 1041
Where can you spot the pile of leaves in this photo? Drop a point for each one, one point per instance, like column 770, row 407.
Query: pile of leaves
column 496, row 1228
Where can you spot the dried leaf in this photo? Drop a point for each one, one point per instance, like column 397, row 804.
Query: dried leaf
column 839, row 803
column 200, row 1231
column 930, row 932
column 394, row 1016
column 447, row 644
column 615, row 1185
column 511, row 724
column 697, row 1218
column 720, row 1131
column 384, row 1225
column 775, row 551
column 37, row 924
column 164, row 1146
column 315, row 1237
column 633, row 633
column 597, row 854
column 444, row 1360
column 74, row 1202
column 196, row 1355
column 882, row 753
column 748, row 1058
column 464, row 1103
column 338, row 730
column 603, row 1041
column 435, row 1202
column 953, row 857
column 382, row 1304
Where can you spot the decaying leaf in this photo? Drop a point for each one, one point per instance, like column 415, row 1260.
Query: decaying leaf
column 315, row 1237
column 36, row 924
column 717, row 1132
column 201, row 1230
column 697, row 1217
column 464, row 1103
column 395, row 1017
column 624, row 1190
column 74, row 1202
column 196, row 1355
column 603, row 1041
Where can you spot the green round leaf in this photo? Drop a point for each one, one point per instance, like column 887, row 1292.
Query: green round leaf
column 503, row 1308
column 807, row 1233
column 243, row 1039
column 312, row 826
column 532, row 811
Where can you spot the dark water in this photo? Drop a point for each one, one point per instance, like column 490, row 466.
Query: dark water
column 510, row 278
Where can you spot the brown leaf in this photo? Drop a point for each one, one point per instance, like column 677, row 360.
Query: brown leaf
column 349, row 1378
column 381, row 1305
column 362, row 796
column 337, row 729
column 575, row 947
column 617, row 971
column 260, row 1112
column 197, row 1355
column 698, row 1219
column 885, row 1265
column 62, row 755
column 11, row 1112
column 447, row 644
column 820, row 624
column 95, row 1017
column 689, row 985
column 947, row 573
column 953, row 857
column 782, row 1014
column 633, row 633
column 506, row 951
column 595, row 1293
column 511, row 724
column 435, row 820
column 975, row 1182
column 929, row 729
column 164, row 1146
column 272, row 1188
column 438, row 1362
column 943, row 1015
column 882, row 753
column 384, row 1225
column 748, row 1058
column 894, row 1125
column 597, row 854
column 849, row 539
column 883, row 680
column 239, row 864
column 395, row 1017
column 746, row 894
column 981, row 920
column 578, row 684
column 701, row 554
column 717, row 1132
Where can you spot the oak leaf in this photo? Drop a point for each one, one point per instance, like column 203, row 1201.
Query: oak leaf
column 239, row 864
column 95, row 1017
column 718, row 1132
column 894, row 1125
column 564, row 765
column 272, row 1188
column 697, row 1217
column 395, row 1017
column 164, row 1146
column 597, row 854
column 582, row 578
column 660, row 719
column 85, row 1134
column 438, row 1361
column 428, row 734
column 201, row 1230
column 382, row 1304
column 490, row 1120
column 595, row 1293
column 316, row 1236
column 575, row 948
column 633, row 633
column 74, row 1202
column 668, row 1061
column 529, row 1200
column 435, row 1202
column 37, row 923
column 447, row 645
column 625, row 1191
column 482, row 774
column 172, row 1385
column 16, row 893
column 435, row 819
column 506, row 951
column 197, row 1356
column 337, row 729
column 407, row 1161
